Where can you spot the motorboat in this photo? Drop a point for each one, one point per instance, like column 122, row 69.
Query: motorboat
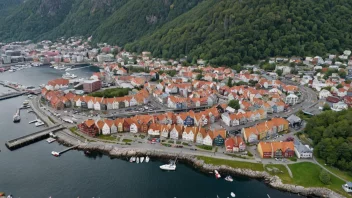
column 142, row 159
column 229, row 178
column 217, row 174
column 133, row 159
column 170, row 167
column 54, row 153
column 233, row 194
column 68, row 69
column 26, row 102
column 33, row 121
column 39, row 123
column 17, row 117
column 137, row 160
column 69, row 76
column 12, row 70
column 147, row 159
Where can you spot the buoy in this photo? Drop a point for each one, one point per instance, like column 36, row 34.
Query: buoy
column 233, row 194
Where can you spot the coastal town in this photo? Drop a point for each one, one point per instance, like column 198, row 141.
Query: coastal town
column 252, row 113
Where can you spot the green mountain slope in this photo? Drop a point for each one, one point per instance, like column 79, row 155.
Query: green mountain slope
column 33, row 18
column 85, row 17
column 222, row 31
column 228, row 32
column 140, row 17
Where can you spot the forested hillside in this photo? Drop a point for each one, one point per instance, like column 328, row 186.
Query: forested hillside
column 331, row 133
column 225, row 32
column 228, row 32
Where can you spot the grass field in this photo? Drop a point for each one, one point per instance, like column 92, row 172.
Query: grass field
column 282, row 173
column 106, row 137
column 345, row 175
column 307, row 174
column 127, row 140
column 233, row 164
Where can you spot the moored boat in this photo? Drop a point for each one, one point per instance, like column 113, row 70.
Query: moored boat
column 17, row 117
column 142, row 159
column 147, row 159
column 217, row 174
column 137, row 160
column 170, row 167
column 229, row 178
column 54, row 153
column 233, row 194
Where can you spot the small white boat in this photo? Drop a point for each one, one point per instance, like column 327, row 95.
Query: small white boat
column 39, row 123
column 142, row 159
column 229, row 178
column 147, row 159
column 170, row 167
column 233, row 194
column 137, row 160
column 26, row 102
column 33, row 121
column 68, row 69
column 268, row 195
column 50, row 140
column 133, row 159
column 54, row 153
column 217, row 174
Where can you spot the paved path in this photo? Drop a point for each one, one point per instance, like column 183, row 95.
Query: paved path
column 289, row 170
column 328, row 170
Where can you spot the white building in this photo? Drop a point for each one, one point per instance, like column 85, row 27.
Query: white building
column 323, row 94
column 339, row 106
column 303, row 151
column 291, row 99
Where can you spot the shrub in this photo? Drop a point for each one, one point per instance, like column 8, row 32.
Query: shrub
column 324, row 177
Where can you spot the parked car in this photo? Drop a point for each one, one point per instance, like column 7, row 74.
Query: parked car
column 290, row 139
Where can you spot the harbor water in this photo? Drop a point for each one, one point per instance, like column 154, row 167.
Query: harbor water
column 32, row 172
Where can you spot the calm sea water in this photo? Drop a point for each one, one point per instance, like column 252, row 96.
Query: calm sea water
column 33, row 172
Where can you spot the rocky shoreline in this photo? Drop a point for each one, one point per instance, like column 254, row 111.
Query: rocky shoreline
column 273, row 181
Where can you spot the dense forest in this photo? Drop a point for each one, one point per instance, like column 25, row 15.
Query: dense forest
column 224, row 32
column 331, row 133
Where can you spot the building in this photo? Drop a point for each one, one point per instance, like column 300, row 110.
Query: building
column 291, row 99
column 235, row 144
column 294, row 120
column 90, row 86
column 323, row 94
column 219, row 137
column 276, row 149
column 302, row 151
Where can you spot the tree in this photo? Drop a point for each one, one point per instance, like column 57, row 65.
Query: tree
column 199, row 76
column 279, row 72
column 229, row 82
column 324, row 177
column 326, row 107
column 234, row 104
column 292, row 64
column 342, row 74
column 339, row 86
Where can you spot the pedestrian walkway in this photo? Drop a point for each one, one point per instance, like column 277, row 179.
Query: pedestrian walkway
column 289, row 170
column 328, row 170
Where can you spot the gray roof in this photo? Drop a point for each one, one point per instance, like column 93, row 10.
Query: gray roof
column 349, row 184
column 301, row 148
column 293, row 119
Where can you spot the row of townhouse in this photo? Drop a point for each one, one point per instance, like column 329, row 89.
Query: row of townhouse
column 276, row 149
column 198, row 135
column 265, row 129
column 235, row 119
column 95, row 103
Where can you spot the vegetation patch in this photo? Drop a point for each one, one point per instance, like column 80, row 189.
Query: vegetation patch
column 185, row 144
column 233, row 164
column 51, row 120
column 205, row 147
column 111, row 93
column 106, row 137
column 178, row 142
column 170, row 141
column 166, row 144
column 126, row 140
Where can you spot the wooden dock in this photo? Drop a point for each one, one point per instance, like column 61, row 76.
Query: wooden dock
column 32, row 138
column 69, row 148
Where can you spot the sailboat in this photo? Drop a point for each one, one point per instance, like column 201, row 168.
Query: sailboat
column 147, row 159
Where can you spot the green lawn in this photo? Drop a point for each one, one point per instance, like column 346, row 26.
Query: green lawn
column 205, row 147
column 282, row 173
column 345, row 175
column 234, row 164
column 307, row 174
column 127, row 140
column 106, row 137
